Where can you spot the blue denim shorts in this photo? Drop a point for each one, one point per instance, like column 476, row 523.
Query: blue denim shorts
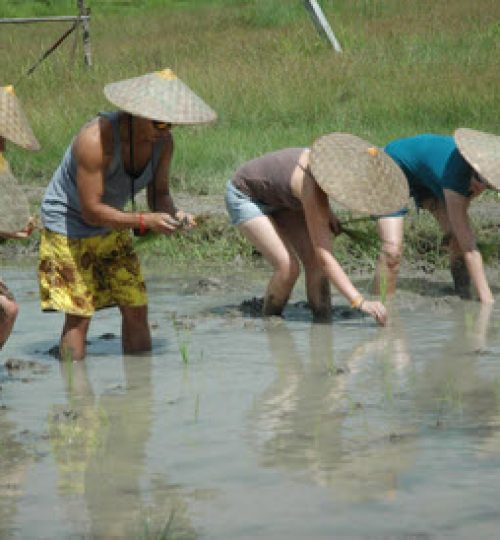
column 241, row 207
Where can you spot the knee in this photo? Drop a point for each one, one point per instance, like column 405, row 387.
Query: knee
column 10, row 309
column 288, row 270
column 391, row 258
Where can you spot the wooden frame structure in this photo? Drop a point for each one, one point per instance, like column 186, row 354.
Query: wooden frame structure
column 83, row 19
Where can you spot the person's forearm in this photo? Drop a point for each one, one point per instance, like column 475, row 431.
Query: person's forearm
column 474, row 263
column 111, row 218
column 163, row 202
column 336, row 274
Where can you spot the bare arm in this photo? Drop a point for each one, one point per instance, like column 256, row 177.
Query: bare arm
column 319, row 221
column 93, row 151
column 159, row 197
column 456, row 207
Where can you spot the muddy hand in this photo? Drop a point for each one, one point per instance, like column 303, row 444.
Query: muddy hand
column 376, row 310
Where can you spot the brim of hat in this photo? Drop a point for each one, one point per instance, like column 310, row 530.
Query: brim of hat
column 14, row 206
column 482, row 152
column 155, row 98
column 357, row 175
column 14, row 125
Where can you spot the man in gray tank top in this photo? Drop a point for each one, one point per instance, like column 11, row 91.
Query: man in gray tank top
column 87, row 261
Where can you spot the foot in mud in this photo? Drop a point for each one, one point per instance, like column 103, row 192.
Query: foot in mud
column 461, row 278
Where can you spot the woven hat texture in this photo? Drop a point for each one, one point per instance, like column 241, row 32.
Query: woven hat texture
column 358, row 175
column 14, row 125
column 160, row 96
column 14, row 206
column 482, row 151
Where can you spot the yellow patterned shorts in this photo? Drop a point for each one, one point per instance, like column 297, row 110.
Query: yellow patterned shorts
column 80, row 275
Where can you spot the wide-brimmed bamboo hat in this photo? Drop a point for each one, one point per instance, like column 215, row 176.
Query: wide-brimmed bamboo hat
column 160, row 96
column 482, row 152
column 358, row 175
column 14, row 206
column 14, row 125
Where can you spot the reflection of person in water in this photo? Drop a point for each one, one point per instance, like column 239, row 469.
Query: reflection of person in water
column 100, row 449
column 453, row 389
column 313, row 420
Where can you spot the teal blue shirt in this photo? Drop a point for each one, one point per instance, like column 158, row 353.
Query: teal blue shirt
column 431, row 163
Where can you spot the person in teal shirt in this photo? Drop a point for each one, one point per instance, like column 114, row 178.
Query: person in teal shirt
column 442, row 181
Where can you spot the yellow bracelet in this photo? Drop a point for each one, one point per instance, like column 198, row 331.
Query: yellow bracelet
column 357, row 302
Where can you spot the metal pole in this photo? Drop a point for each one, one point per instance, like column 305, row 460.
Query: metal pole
column 84, row 19
column 321, row 23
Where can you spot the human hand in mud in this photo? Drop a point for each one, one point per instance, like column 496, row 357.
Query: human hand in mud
column 376, row 309
column 187, row 221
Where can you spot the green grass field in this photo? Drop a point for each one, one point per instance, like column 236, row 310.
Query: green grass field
column 408, row 67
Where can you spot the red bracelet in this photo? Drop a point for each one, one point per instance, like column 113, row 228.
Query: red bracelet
column 142, row 226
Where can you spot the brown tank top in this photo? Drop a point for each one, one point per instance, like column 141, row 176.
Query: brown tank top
column 267, row 179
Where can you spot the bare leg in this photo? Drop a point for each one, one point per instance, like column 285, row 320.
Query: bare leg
column 390, row 231
column 8, row 315
column 263, row 234
column 458, row 268
column 73, row 337
column 292, row 225
column 136, row 336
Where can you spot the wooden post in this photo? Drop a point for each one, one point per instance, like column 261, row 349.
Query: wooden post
column 321, row 23
column 84, row 21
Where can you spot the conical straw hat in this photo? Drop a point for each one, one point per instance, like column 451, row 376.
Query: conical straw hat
column 14, row 125
column 357, row 175
column 482, row 151
column 14, row 206
column 160, row 96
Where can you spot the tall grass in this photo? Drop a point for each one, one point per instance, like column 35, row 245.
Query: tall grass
column 408, row 67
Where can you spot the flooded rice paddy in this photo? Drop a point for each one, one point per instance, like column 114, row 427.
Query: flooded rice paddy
column 239, row 427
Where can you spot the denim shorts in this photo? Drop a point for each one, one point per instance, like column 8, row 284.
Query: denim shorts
column 241, row 207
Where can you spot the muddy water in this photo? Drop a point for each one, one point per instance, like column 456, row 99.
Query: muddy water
column 236, row 427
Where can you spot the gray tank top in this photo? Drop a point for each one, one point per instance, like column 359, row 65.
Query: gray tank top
column 267, row 179
column 60, row 209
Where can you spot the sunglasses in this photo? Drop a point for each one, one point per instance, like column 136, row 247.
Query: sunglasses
column 161, row 126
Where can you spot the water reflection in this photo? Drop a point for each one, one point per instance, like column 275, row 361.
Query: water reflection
column 15, row 461
column 100, row 448
column 331, row 419
column 459, row 389
column 356, row 421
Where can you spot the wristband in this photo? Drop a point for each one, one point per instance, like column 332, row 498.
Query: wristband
column 357, row 302
column 142, row 226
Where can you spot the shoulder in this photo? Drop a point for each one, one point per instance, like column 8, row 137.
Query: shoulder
column 93, row 145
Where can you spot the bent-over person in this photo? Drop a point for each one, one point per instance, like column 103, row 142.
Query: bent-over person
column 15, row 221
column 87, row 259
column 444, row 175
column 279, row 201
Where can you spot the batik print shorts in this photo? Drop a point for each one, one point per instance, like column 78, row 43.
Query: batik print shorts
column 81, row 275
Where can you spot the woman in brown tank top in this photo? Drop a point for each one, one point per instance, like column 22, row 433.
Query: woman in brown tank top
column 279, row 207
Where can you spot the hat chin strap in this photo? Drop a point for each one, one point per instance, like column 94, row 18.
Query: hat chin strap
column 131, row 147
